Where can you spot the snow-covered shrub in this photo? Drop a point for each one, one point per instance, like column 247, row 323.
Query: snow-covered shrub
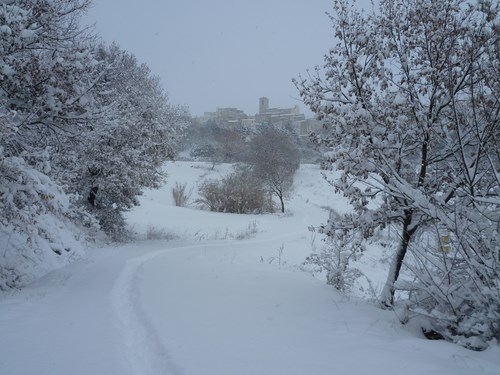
column 111, row 221
column 36, row 234
column 180, row 195
column 211, row 198
column 457, row 283
column 239, row 192
column 158, row 233
column 334, row 258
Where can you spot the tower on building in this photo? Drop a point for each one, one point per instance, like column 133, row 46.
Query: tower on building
column 263, row 105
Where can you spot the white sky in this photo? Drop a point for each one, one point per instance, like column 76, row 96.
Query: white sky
column 221, row 53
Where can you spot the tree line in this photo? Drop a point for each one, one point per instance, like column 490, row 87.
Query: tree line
column 84, row 127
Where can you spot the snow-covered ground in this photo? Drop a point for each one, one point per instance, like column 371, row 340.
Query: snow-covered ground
column 215, row 294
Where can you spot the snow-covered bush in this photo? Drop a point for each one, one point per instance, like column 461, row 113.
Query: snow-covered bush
column 36, row 233
column 239, row 192
column 180, row 195
column 158, row 233
column 335, row 257
column 457, row 284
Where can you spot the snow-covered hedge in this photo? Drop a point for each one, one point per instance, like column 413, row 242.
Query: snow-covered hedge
column 36, row 233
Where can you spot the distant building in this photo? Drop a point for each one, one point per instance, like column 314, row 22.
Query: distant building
column 230, row 114
column 283, row 118
column 226, row 116
column 277, row 116
column 263, row 105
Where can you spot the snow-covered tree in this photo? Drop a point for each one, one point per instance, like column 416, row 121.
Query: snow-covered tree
column 46, row 65
column 43, row 64
column 122, row 147
column 411, row 98
column 275, row 158
column 83, row 129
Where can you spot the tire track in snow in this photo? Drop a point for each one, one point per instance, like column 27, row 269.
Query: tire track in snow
column 145, row 351
column 146, row 354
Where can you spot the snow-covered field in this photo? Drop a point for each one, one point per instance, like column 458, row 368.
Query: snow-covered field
column 215, row 294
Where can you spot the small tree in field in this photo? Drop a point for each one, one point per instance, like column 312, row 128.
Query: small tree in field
column 411, row 98
column 275, row 158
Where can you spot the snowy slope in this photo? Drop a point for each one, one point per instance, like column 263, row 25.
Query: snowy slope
column 210, row 303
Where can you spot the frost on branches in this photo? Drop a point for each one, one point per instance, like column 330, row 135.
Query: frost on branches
column 36, row 232
column 336, row 255
column 410, row 95
column 41, row 75
column 275, row 157
column 120, row 150
column 83, row 129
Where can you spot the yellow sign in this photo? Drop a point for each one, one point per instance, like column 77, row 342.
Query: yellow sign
column 444, row 244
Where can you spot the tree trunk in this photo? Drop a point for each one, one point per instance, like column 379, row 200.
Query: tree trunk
column 387, row 298
column 282, row 204
column 93, row 195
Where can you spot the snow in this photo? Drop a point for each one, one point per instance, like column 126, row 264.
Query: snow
column 4, row 29
column 27, row 34
column 209, row 303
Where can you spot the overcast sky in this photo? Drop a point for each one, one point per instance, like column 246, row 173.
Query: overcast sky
column 221, row 53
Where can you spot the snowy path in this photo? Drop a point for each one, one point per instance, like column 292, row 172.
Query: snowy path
column 63, row 324
column 206, row 308
column 216, row 313
column 81, row 319
column 212, row 307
